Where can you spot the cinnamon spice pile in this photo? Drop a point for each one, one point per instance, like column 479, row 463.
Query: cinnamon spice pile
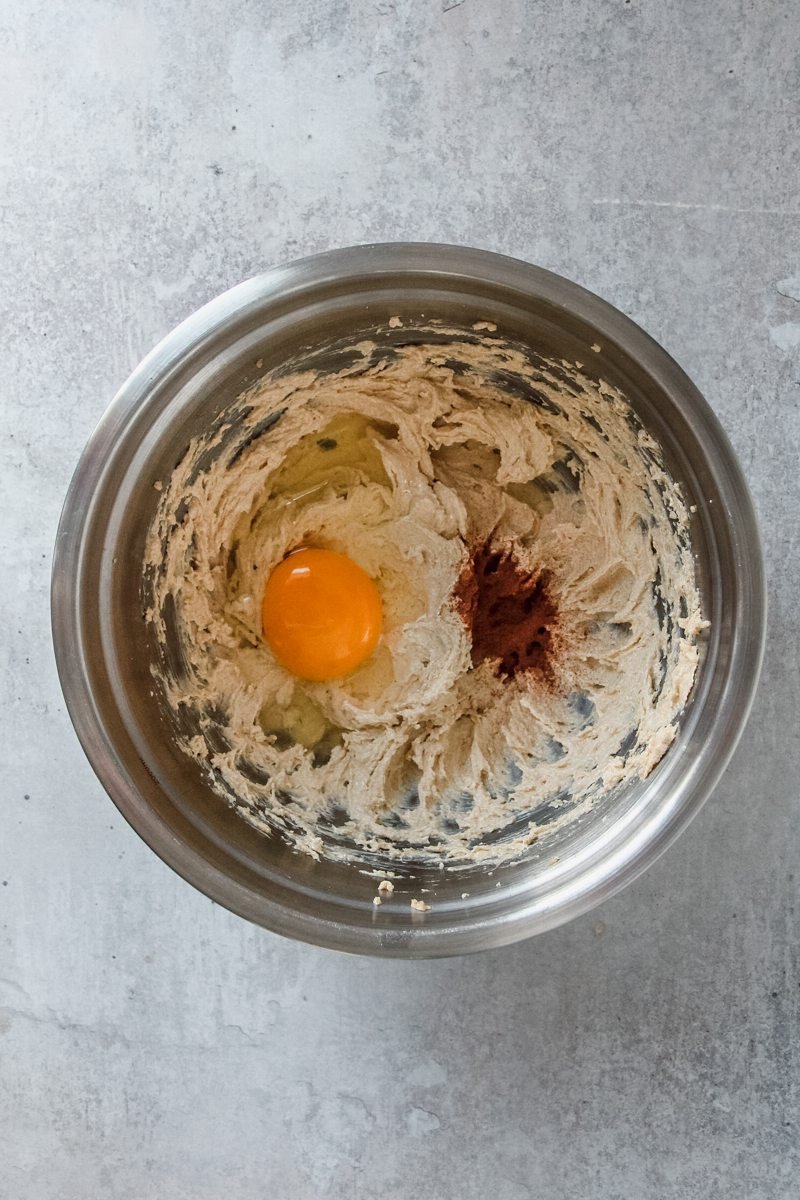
column 509, row 612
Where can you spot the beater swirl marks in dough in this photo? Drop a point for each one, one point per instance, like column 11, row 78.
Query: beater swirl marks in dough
column 419, row 462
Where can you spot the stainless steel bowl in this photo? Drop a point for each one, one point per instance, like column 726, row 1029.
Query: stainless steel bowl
column 103, row 653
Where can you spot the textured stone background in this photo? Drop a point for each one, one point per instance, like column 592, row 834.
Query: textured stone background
column 153, row 153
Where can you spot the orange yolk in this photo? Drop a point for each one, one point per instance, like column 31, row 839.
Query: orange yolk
column 321, row 614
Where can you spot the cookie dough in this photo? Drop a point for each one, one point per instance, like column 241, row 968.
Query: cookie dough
column 533, row 557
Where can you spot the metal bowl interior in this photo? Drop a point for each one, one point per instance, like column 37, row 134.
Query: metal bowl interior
column 104, row 655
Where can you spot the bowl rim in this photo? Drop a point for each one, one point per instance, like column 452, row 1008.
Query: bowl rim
column 654, row 833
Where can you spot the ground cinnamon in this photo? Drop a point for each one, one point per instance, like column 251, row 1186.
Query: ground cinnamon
column 509, row 612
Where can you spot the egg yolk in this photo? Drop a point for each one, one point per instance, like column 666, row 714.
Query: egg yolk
column 321, row 614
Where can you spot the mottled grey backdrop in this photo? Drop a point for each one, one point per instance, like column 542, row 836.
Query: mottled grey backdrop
column 153, row 1047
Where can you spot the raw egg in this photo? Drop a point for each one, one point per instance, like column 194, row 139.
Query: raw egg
column 321, row 614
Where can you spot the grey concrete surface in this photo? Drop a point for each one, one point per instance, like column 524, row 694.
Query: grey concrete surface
column 151, row 1045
